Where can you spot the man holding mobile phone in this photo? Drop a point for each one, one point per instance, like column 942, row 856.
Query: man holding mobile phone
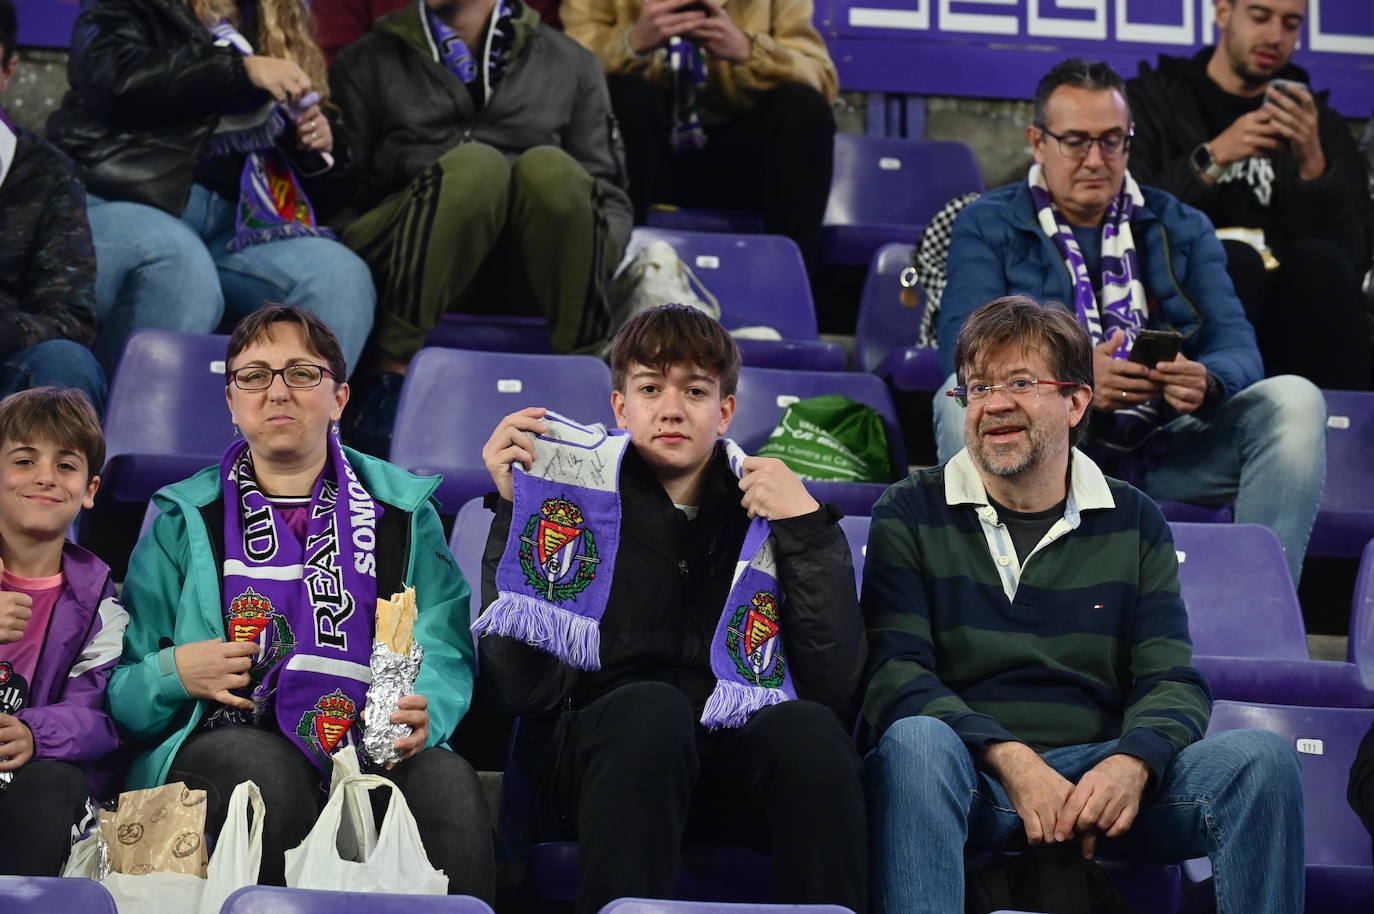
column 1202, row 426
column 723, row 105
column 1237, row 132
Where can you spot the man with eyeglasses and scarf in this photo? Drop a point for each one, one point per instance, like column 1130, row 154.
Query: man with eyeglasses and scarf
column 1030, row 673
column 1204, row 427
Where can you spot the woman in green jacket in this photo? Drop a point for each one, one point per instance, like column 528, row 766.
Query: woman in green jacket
column 251, row 605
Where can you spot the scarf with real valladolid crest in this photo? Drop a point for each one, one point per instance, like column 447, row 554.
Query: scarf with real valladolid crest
column 308, row 605
column 555, row 576
column 272, row 203
column 1123, row 306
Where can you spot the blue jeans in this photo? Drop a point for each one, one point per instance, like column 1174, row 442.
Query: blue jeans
column 1235, row 797
column 155, row 270
column 1264, row 449
column 59, row 362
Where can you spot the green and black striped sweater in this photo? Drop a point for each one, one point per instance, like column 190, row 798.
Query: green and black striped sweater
column 1094, row 647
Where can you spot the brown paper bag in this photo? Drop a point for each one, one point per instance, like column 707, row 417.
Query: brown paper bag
column 159, row 830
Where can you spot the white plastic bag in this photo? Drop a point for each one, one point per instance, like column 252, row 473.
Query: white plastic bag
column 391, row 861
column 655, row 276
column 233, row 865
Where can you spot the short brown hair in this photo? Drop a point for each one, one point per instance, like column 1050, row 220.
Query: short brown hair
column 1050, row 328
column 62, row 416
column 675, row 335
column 319, row 339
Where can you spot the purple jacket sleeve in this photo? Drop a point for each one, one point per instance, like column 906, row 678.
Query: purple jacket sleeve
column 76, row 728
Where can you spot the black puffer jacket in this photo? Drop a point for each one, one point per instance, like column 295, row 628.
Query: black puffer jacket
column 671, row 580
column 148, row 84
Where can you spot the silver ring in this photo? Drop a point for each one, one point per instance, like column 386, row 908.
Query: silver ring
column 1124, row 395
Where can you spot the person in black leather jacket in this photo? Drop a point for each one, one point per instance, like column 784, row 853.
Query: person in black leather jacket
column 210, row 164
column 626, row 765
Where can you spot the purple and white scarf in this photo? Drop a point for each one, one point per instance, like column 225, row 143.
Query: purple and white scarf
column 309, row 605
column 1123, row 304
column 272, row 202
column 687, row 68
column 9, row 142
column 453, row 52
column 555, row 577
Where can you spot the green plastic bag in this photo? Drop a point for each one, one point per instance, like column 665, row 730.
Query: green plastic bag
column 831, row 437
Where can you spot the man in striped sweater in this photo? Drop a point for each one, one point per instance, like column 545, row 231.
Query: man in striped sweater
column 1030, row 668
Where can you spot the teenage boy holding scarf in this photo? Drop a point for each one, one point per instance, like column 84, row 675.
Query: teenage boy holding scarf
column 682, row 619
column 61, row 629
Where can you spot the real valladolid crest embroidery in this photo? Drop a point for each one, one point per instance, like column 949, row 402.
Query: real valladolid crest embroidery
column 324, row 725
column 752, row 640
column 558, row 556
column 252, row 618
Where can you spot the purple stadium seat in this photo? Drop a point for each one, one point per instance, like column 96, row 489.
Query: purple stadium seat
column 708, row 873
column 1340, row 871
column 759, row 280
column 166, row 417
column 1345, row 521
column 1360, row 644
column 737, row 221
column 264, row 899
column 47, row 894
column 885, row 189
column 1246, row 623
column 492, row 333
column 765, row 393
column 855, row 527
column 467, row 543
column 886, row 332
column 663, row 906
column 453, row 398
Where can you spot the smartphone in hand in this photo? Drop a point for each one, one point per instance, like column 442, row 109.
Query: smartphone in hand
column 1154, row 346
column 1290, row 87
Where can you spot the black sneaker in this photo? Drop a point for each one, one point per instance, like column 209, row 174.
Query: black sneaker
column 369, row 418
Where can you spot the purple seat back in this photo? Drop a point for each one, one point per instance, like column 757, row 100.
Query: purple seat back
column 492, row 333
column 467, row 543
column 1340, row 871
column 265, row 899
column 1360, row 644
column 886, row 189
column 1345, row 521
column 47, row 894
column 453, row 399
column 664, row 906
column 885, row 324
column 1240, row 598
column 855, row 527
column 166, row 417
column 765, row 393
column 758, row 279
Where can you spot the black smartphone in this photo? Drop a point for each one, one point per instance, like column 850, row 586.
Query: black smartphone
column 695, row 7
column 1287, row 87
column 1154, row 346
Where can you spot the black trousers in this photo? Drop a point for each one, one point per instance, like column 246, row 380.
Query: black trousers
column 775, row 158
column 440, row 788
column 1307, row 314
column 636, row 773
column 38, row 811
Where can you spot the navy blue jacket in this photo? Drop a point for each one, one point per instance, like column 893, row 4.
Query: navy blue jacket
column 999, row 249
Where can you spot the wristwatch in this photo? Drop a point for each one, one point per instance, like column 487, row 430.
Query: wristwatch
column 1205, row 164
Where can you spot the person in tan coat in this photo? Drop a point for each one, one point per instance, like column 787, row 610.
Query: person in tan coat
column 722, row 105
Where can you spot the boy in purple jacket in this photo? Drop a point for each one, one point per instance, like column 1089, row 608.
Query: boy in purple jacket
column 61, row 628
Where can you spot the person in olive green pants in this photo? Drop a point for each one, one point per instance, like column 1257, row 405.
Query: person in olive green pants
column 492, row 180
